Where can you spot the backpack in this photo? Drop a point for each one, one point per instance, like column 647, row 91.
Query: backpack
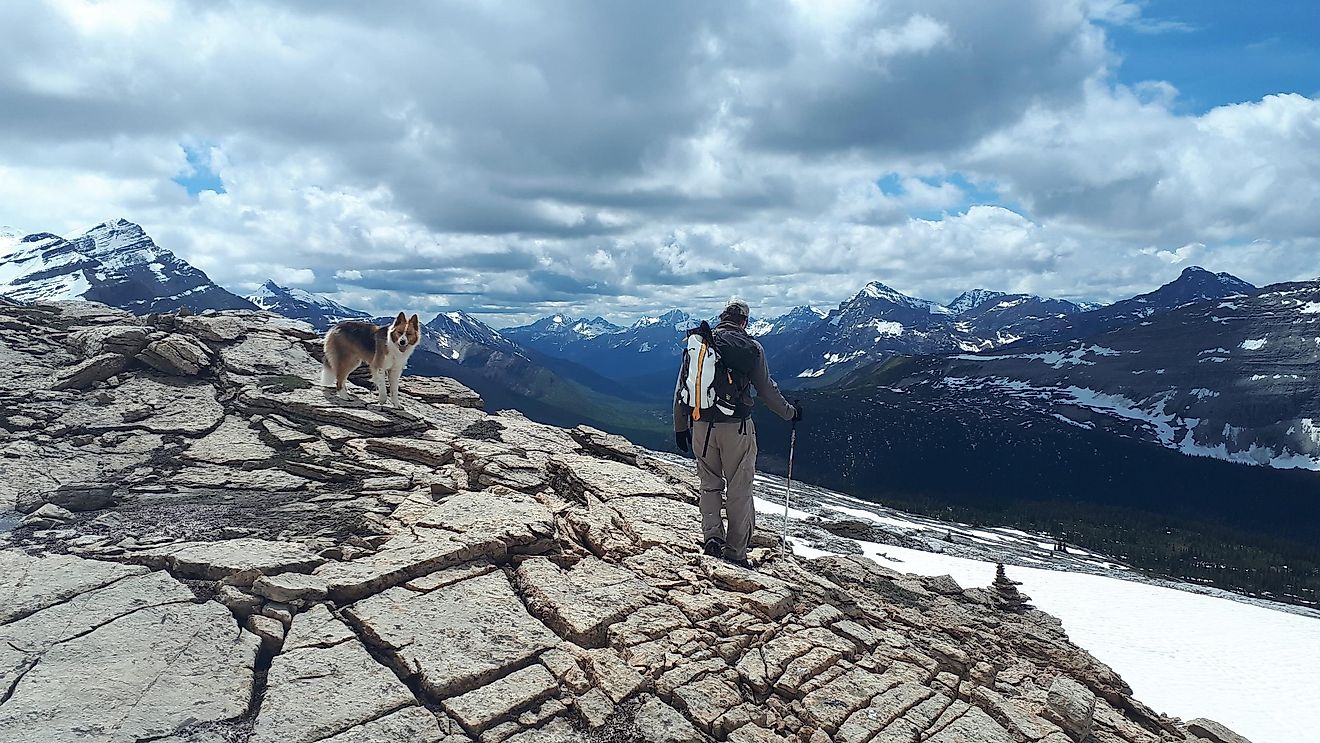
column 716, row 372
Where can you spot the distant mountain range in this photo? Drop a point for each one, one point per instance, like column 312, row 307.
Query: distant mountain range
column 1231, row 378
column 1167, row 367
column 810, row 348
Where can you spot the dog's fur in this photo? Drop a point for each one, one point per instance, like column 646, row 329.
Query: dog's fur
column 384, row 349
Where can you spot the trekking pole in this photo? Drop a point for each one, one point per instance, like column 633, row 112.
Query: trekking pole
column 788, row 488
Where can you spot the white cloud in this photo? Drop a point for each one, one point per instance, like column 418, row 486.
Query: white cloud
column 610, row 158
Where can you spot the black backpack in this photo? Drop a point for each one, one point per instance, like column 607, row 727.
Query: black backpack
column 717, row 370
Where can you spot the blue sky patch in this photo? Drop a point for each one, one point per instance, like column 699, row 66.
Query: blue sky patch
column 199, row 176
column 982, row 193
column 1217, row 52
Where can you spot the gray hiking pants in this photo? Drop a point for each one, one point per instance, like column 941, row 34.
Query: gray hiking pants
column 727, row 469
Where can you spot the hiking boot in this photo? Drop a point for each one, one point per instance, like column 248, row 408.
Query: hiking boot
column 739, row 561
column 714, row 547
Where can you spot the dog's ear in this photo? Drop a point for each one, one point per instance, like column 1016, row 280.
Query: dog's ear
column 414, row 322
column 400, row 320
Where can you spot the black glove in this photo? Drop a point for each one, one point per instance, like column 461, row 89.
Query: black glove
column 797, row 410
column 683, row 440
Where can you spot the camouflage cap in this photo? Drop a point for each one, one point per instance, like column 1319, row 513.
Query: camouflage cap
column 736, row 309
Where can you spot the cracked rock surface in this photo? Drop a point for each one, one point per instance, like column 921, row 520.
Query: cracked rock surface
column 220, row 552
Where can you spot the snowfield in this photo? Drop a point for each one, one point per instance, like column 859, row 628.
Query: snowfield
column 1186, row 650
column 1255, row 669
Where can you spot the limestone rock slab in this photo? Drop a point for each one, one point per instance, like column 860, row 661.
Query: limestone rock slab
column 575, row 475
column 315, row 693
column 159, row 405
column 399, row 560
column 236, row 561
column 29, row 584
column 143, row 675
column 218, row 328
column 974, row 726
column 458, row 636
column 232, row 443
column 501, row 699
column 290, row 587
column 314, row 628
column 120, row 340
column 86, row 373
column 408, row 725
column 1071, row 706
column 177, row 355
column 496, row 521
column 22, row 642
column 659, row 521
column 441, row 390
column 1213, row 731
column 581, row 603
column 319, row 406
column 270, row 354
column 412, row 450
column 657, row 722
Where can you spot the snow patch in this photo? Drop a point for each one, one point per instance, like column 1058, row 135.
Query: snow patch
column 839, row 358
column 1054, row 359
column 1253, row 344
column 883, row 328
column 1162, row 641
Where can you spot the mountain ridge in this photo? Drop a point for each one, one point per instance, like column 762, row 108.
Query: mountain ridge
column 467, row 575
column 114, row 262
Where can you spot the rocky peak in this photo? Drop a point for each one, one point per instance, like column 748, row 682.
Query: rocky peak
column 877, row 296
column 456, row 334
column 251, row 558
column 1196, row 283
column 318, row 311
column 974, row 298
column 115, row 263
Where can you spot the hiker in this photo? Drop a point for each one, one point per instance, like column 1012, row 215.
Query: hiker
column 713, row 417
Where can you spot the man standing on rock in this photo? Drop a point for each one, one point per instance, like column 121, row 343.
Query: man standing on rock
column 725, row 445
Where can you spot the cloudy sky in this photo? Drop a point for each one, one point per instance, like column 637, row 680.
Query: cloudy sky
column 619, row 158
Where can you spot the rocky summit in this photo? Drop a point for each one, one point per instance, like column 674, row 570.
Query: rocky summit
column 198, row 545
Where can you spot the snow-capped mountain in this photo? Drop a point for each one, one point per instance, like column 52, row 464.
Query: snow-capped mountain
column 1232, row 379
column 115, row 263
column 876, row 323
column 880, row 323
column 876, row 295
column 453, row 334
column 974, row 298
column 554, row 333
column 649, row 345
column 795, row 320
column 321, row 312
column 1192, row 285
column 1004, row 318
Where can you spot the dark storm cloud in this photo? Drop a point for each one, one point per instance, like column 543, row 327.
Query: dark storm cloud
column 922, row 77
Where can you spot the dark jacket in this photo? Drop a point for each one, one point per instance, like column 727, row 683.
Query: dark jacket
column 766, row 389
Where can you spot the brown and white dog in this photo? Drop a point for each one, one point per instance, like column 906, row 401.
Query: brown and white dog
column 385, row 349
